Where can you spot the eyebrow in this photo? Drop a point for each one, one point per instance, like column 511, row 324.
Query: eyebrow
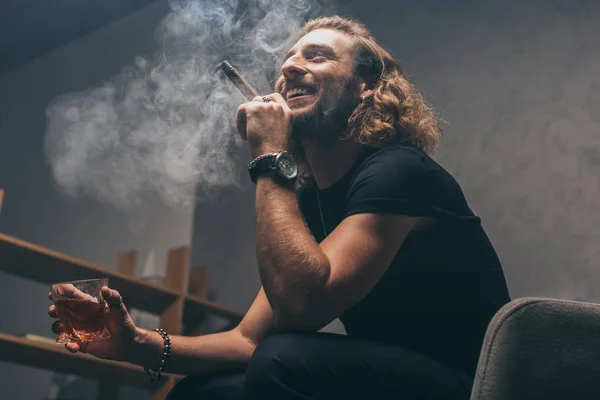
column 325, row 48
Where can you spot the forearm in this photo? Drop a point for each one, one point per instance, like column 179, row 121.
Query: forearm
column 293, row 268
column 192, row 355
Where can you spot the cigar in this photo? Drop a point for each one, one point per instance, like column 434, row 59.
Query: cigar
column 239, row 82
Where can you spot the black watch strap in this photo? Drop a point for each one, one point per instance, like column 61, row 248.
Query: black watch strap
column 282, row 163
column 262, row 165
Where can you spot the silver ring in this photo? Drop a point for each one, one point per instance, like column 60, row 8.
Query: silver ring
column 266, row 99
column 118, row 304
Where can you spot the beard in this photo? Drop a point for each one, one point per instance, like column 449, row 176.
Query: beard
column 327, row 118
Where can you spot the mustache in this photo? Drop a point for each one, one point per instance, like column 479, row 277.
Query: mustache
column 283, row 83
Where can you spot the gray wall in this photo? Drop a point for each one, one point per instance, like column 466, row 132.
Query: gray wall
column 517, row 81
column 519, row 84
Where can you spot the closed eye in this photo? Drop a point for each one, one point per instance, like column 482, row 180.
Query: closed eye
column 318, row 57
column 314, row 52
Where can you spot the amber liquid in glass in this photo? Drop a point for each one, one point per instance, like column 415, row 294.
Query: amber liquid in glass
column 83, row 321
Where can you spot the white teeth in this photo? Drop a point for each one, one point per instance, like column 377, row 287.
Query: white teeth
column 295, row 91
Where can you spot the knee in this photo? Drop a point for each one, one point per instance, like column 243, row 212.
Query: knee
column 278, row 350
column 276, row 366
column 209, row 386
column 184, row 389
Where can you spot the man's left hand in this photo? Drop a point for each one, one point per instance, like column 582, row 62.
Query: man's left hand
column 266, row 126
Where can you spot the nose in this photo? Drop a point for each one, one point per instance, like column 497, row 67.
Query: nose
column 293, row 68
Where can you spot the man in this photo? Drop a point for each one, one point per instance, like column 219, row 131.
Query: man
column 378, row 235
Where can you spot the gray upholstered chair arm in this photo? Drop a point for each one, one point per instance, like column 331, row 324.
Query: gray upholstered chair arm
column 541, row 349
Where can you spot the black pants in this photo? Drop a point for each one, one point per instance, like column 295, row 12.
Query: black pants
column 326, row 366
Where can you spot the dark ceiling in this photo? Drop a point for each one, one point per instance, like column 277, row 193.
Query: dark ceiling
column 31, row 28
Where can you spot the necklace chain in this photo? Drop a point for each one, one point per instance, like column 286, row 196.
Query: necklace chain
column 321, row 214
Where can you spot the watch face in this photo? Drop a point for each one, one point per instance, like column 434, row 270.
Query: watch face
column 286, row 166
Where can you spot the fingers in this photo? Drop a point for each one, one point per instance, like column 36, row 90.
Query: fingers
column 57, row 327
column 278, row 98
column 52, row 312
column 240, row 121
column 83, row 347
column 279, row 84
column 69, row 291
column 114, row 300
column 73, row 347
column 275, row 97
column 259, row 112
column 111, row 296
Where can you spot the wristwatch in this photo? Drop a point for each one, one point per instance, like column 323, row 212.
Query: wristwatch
column 281, row 163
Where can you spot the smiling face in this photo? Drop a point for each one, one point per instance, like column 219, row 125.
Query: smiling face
column 318, row 80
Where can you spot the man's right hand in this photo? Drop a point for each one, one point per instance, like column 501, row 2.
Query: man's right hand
column 123, row 331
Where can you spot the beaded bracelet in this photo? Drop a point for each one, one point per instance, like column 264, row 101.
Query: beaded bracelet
column 154, row 376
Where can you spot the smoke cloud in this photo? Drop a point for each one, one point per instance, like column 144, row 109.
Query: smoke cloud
column 166, row 124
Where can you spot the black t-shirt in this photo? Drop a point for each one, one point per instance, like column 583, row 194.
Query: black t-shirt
column 445, row 283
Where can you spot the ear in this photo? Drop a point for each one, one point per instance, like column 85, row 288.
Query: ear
column 366, row 85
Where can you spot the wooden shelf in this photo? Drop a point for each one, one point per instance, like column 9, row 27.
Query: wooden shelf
column 195, row 307
column 37, row 263
column 34, row 262
column 169, row 300
column 55, row 357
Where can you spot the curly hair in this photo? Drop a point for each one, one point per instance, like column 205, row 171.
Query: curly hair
column 396, row 112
